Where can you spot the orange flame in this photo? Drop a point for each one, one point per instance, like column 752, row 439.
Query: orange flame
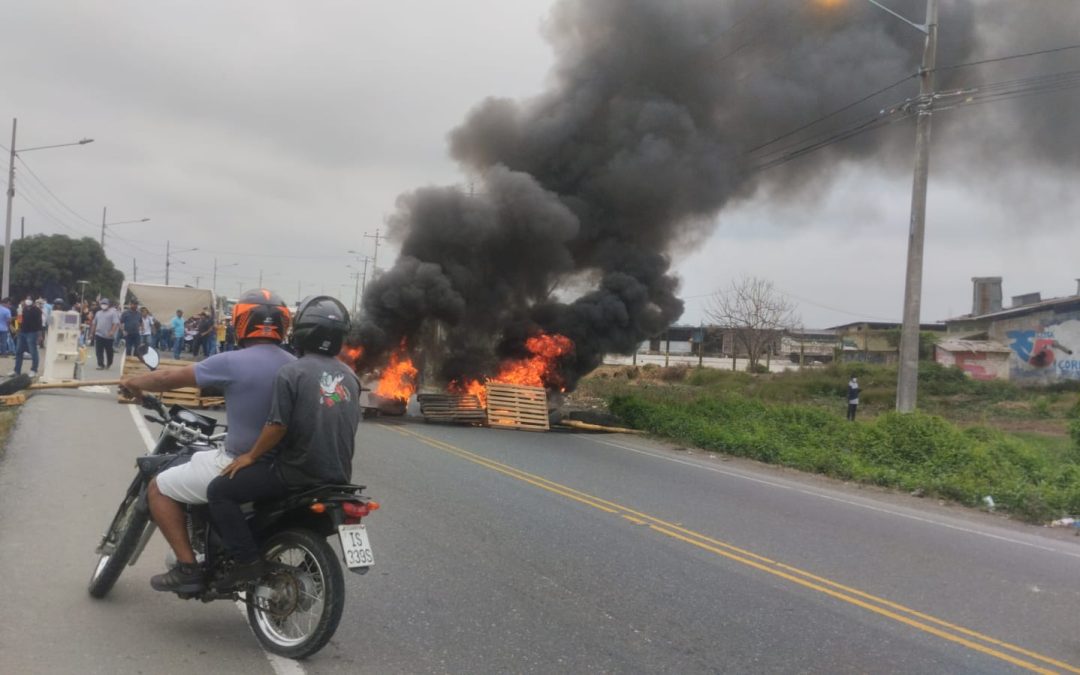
column 349, row 355
column 398, row 379
column 537, row 370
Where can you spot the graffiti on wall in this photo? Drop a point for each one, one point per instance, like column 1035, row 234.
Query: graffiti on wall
column 1052, row 352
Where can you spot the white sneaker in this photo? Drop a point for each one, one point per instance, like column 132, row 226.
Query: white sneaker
column 33, row 373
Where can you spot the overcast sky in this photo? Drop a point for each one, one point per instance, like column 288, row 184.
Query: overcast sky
column 274, row 135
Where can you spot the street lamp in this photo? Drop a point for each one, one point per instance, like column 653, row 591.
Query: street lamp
column 5, row 286
column 82, row 291
column 117, row 222
column 168, row 260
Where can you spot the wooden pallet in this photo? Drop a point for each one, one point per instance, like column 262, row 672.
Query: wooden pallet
column 189, row 397
column 512, row 406
column 452, row 408
column 12, row 400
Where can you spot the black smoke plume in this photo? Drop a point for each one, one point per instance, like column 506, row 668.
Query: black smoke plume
column 658, row 114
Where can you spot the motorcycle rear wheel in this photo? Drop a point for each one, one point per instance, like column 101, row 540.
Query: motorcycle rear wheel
column 123, row 538
column 294, row 612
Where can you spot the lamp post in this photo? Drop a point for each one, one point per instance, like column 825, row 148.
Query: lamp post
column 82, row 291
column 104, row 209
column 168, row 257
column 5, row 286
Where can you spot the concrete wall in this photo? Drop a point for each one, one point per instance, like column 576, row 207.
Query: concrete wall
column 1045, row 346
column 979, row 365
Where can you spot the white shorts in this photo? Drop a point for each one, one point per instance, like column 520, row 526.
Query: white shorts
column 187, row 483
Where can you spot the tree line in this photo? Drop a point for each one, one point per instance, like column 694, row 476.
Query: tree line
column 51, row 266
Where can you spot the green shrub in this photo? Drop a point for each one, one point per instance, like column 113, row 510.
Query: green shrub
column 905, row 451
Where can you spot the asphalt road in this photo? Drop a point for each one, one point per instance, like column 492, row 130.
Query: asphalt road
column 500, row 551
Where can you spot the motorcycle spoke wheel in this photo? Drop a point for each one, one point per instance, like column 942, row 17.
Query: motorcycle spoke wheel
column 118, row 546
column 295, row 609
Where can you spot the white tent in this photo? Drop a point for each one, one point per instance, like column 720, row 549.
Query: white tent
column 163, row 301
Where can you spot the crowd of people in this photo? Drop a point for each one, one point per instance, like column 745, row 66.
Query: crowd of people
column 23, row 328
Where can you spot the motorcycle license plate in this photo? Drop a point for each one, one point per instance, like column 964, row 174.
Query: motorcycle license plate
column 355, row 547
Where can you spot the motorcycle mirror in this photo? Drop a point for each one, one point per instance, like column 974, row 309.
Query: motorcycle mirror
column 148, row 356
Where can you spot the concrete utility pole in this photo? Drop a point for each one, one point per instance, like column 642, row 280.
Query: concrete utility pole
column 908, row 380
column 134, row 270
column 167, row 262
column 10, row 198
column 5, row 285
column 375, row 258
column 103, row 210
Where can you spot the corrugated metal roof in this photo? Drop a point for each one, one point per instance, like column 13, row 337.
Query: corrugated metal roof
column 1023, row 309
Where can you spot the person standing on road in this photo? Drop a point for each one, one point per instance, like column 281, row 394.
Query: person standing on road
column 146, row 326
column 247, row 376
column 29, row 333
column 6, row 347
column 205, row 335
column 106, row 325
column 177, row 327
column 852, row 398
column 131, row 321
column 312, row 425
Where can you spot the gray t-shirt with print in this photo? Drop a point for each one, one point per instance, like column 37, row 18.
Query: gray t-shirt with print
column 247, row 377
column 318, row 399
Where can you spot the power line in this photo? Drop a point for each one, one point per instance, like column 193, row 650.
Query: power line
column 1010, row 58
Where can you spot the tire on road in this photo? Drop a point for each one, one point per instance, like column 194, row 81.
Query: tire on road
column 313, row 590
column 125, row 531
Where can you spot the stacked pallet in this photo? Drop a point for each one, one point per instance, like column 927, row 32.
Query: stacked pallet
column 451, row 408
column 189, row 397
column 513, row 406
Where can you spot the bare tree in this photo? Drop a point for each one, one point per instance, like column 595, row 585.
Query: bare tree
column 754, row 312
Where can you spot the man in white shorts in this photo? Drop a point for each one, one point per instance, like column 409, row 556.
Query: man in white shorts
column 261, row 320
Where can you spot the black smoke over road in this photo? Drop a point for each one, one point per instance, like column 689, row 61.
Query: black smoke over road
column 653, row 121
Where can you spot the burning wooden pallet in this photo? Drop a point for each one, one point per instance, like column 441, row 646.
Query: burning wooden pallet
column 513, row 406
column 452, row 408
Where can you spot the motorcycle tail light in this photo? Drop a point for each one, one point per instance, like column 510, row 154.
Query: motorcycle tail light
column 317, row 507
column 355, row 510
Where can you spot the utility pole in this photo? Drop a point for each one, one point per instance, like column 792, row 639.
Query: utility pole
column 134, row 270
column 375, row 258
column 197, row 279
column 908, row 379
column 22, row 227
column 7, row 228
column 167, row 262
column 213, row 282
column 356, row 291
column 103, row 210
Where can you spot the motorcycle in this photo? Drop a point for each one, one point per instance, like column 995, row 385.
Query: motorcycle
column 295, row 608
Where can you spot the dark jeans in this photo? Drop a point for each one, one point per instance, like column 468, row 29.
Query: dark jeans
column 131, row 341
column 851, row 408
column 103, row 347
column 225, row 495
column 27, row 344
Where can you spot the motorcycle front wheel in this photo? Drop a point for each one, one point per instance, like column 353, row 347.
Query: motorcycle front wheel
column 295, row 609
column 118, row 545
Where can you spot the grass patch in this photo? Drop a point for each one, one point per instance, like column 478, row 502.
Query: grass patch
column 969, row 439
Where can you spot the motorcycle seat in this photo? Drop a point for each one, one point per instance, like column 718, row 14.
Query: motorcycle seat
column 151, row 465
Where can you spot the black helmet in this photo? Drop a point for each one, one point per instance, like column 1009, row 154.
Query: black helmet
column 261, row 314
column 320, row 326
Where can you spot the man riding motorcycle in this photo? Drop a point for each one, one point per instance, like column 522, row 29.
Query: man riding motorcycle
column 262, row 321
column 311, row 427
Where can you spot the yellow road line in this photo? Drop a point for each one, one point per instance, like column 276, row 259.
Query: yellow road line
column 788, row 572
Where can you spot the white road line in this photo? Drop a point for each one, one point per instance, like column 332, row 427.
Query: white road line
column 813, row 493
column 280, row 665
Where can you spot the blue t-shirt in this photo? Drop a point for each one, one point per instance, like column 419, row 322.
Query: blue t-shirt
column 177, row 325
column 247, row 376
column 5, row 319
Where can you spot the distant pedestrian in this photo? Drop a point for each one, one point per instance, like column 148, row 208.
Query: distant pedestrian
column 105, row 328
column 29, row 332
column 146, row 326
column 131, row 321
column 852, row 398
column 177, row 326
column 6, row 347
